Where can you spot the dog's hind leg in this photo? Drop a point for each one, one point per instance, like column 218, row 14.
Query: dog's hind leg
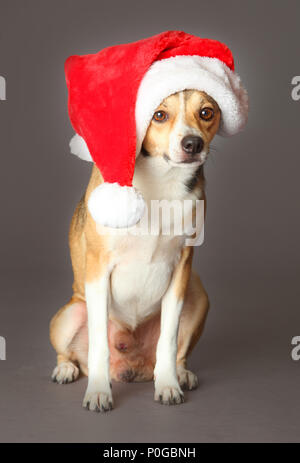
column 191, row 325
column 63, row 328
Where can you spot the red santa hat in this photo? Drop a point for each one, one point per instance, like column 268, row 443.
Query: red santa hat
column 114, row 93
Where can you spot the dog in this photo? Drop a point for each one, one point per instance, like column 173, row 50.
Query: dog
column 138, row 308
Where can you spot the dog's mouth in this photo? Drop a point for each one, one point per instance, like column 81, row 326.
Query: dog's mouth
column 186, row 162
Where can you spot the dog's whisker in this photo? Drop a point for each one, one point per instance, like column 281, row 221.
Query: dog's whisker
column 213, row 148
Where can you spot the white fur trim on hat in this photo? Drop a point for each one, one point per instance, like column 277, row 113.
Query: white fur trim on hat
column 178, row 73
column 79, row 147
column 115, row 206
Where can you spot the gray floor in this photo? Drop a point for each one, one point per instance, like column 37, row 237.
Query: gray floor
column 249, row 386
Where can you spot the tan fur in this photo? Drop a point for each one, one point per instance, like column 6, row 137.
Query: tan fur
column 92, row 253
column 157, row 137
column 183, row 270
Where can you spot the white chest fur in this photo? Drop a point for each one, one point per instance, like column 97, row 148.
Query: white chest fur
column 145, row 264
column 142, row 276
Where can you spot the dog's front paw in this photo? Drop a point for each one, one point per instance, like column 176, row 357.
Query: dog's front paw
column 98, row 401
column 64, row 373
column 187, row 379
column 168, row 395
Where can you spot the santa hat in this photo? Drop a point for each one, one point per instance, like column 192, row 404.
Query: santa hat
column 114, row 93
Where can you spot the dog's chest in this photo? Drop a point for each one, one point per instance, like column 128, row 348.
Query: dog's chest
column 146, row 262
column 142, row 276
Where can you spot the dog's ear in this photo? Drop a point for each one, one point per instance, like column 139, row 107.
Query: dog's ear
column 79, row 147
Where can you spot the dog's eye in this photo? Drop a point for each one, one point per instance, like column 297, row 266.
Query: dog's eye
column 160, row 116
column 207, row 114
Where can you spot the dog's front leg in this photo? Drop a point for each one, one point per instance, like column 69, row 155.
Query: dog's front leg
column 167, row 389
column 98, row 396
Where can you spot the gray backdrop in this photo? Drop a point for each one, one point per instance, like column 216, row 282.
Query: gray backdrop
column 250, row 259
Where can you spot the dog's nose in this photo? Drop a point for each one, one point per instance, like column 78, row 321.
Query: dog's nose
column 192, row 144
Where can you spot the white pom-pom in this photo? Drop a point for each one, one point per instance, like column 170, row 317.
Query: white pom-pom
column 116, row 206
column 79, row 147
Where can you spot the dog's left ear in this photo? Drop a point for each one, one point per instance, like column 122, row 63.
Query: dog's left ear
column 79, row 147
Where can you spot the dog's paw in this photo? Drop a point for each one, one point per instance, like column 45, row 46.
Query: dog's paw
column 65, row 373
column 98, row 401
column 187, row 379
column 168, row 395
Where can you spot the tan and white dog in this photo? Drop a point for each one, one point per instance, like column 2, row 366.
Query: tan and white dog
column 138, row 308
